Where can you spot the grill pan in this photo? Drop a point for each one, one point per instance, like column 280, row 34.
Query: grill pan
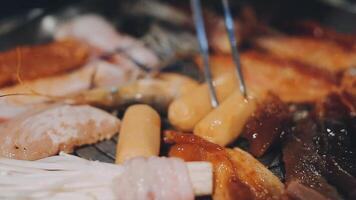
column 33, row 27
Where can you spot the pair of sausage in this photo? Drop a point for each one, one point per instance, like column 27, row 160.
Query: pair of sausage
column 193, row 112
column 185, row 112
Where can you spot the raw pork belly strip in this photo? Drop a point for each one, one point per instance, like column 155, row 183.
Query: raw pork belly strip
column 42, row 60
column 154, row 178
column 47, row 131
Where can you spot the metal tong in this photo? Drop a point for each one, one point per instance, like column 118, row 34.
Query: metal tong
column 204, row 47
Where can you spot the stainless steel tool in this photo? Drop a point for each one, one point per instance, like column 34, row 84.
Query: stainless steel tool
column 204, row 47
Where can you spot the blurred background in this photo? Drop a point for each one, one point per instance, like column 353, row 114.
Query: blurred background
column 21, row 19
column 324, row 10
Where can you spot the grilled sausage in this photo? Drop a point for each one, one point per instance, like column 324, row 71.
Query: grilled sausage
column 139, row 134
column 185, row 112
column 225, row 123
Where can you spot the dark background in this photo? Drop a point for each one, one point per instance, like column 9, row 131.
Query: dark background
column 288, row 9
column 17, row 28
column 13, row 7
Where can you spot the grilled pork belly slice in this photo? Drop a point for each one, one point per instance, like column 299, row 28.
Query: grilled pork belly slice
column 237, row 175
column 32, row 93
column 40, row 133
column 325, row 56
column 267, row 72
column 42, row 60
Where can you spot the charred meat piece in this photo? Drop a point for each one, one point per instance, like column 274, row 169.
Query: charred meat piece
column 301, row 160
column 42, row 60
column 338, row 144
column 266, row 126
column 237, row 174
column 320, row 152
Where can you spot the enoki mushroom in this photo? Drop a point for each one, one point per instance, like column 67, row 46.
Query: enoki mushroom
column 70, row 177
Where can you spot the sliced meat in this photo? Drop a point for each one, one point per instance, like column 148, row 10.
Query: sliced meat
column 44, row 132
column 43, row 60
column 192, row 148
column 237, row 175
column 154, row 178
column 261, row 181
column 271, row 73
column 326, row 56
column 95, row 74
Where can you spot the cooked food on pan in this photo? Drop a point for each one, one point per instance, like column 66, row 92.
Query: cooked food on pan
column 31, row 62
column 46, row 131
column 237, row 174
column 139, row 121
column 105, row 39
column 329, row 56
column 22, row 96
column 263, row 111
